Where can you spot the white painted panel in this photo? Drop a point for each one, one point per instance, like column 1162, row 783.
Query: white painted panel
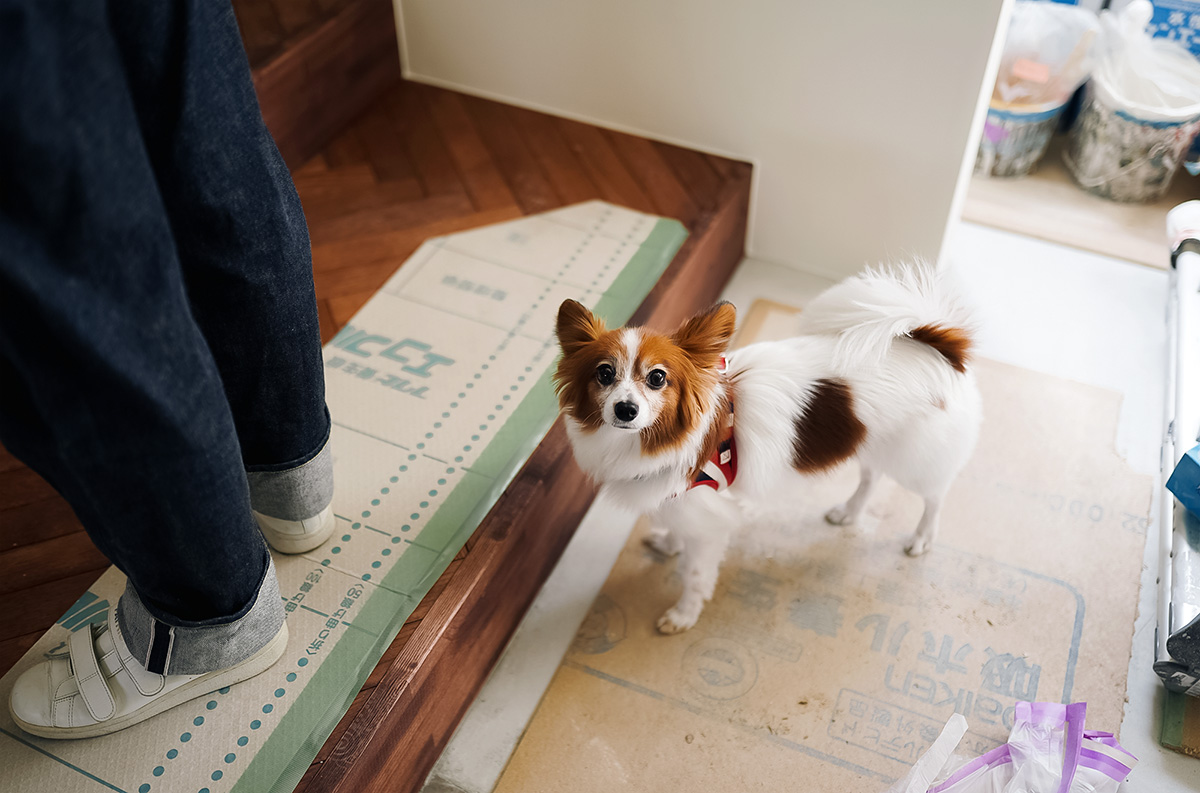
column 856, row 115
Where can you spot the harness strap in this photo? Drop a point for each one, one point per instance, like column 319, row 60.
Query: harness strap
column 720, row 469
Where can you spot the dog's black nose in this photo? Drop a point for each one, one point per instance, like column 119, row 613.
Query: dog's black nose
column 626, row 411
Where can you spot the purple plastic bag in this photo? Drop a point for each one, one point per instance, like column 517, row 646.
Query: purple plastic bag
column 1048, row 751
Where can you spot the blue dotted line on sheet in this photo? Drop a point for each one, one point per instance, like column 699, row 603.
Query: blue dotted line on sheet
column 242, row 740
column 172, row 753
column 613, row 259
column 446, row 414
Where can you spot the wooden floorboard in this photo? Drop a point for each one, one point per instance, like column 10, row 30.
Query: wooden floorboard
column 314, row 75
column 262, row 32
column 20, row 486
column 50, row 560
column 695, row 172
column 422, row 162
column 295, row 15
column 333, row 195
column 553, row 153
column 591, row 147
column 380, row 132
column 389, row 217
column 269, row 27
column 476, row 168
column 424, row 143
column 7, row 461
column 345, row 149
column 510, row 153
column 35, row 608
column 664, row 189
column 36, row 521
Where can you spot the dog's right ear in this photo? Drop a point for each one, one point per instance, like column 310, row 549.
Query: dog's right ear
column 577, row 326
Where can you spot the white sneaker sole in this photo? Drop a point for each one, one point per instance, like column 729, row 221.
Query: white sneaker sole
column 282, row 535
column 260, row 662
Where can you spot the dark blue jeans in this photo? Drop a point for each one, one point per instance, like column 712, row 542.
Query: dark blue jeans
column 158, row 326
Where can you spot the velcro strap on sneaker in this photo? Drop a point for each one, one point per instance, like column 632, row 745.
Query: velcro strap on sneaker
column 89, row 677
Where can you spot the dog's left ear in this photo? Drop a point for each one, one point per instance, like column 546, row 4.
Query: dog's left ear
column 706, row 336
column 577, row 326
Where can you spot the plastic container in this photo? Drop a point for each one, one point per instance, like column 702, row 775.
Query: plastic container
column 1141, row 111
column 1015, row 138
column 1047, row 54
column 1125, row 151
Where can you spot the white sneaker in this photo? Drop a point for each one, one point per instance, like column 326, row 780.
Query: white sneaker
column 297, row 536
column 96, row 686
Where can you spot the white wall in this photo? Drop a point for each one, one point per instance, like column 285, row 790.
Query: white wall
column 855, row 114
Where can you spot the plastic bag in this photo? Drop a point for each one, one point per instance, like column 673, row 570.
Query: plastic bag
column 921, row 775
column 1155, row 75
column 1048, row 751
column 1047, row 53
column 1141, row 112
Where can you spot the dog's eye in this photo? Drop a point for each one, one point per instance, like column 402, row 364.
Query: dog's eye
column 656, row 379
column 605, row 374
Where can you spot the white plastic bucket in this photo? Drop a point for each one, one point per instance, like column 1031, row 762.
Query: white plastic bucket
column 1015, row 137
column 1126, row 151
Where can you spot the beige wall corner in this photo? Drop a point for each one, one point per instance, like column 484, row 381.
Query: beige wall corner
column 856, row 116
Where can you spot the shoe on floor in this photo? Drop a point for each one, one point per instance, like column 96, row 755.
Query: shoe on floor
column 297, row 536
column 96, row 687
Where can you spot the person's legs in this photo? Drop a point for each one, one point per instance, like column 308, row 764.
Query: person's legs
column 243, row 244
column 108, row 388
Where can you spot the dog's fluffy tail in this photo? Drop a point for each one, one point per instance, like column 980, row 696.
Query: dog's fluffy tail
column 867, row 312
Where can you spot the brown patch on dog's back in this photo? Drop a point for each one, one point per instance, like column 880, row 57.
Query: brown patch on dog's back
column 954, row 344
column 828, row 431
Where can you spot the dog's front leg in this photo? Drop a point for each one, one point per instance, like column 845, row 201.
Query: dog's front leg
column 848, row 514
column 922, row 539
column 663, row 540
column 701, row 522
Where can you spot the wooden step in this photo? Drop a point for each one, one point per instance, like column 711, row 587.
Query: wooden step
column 317, row 64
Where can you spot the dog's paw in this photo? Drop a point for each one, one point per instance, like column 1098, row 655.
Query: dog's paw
column 838, row 516
column 917, row 546
column 675, row 621
column 664, row 542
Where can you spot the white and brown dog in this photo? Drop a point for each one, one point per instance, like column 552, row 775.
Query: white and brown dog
column 676, row 428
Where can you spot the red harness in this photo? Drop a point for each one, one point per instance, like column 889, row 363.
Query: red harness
column 720, row 470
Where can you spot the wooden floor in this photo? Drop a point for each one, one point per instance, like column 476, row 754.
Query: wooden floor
column 1049, row 205
column 270, row 27
column 426, row 161
column 421, row 162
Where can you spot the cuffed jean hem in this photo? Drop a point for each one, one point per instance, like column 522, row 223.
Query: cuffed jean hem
column 295, row 493
column 195, row 649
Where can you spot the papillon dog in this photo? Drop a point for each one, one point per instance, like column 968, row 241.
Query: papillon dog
column 676, row 427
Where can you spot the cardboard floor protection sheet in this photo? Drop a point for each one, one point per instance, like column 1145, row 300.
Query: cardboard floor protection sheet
column 1181, row 723
column 829, row 660
column 439, row 390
